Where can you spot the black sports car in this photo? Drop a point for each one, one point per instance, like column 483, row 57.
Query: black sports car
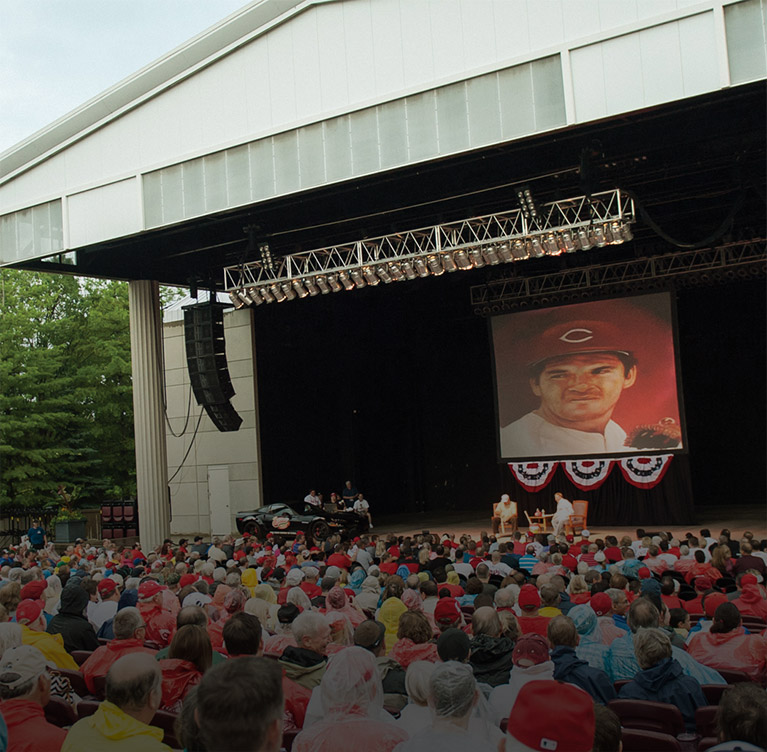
column 289, row 519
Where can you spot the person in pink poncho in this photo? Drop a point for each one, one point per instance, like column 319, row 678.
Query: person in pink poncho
column 414, row 643
column 336, row 600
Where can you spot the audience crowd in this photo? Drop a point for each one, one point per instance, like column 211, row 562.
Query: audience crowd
column 409, row 643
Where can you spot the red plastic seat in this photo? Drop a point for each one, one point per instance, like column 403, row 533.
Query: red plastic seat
column 706, row 742
column 60, row 713
column 129, row 513
column 620, row 684
column 648, row 716
column 705, row 720
column 81, row 656
column 636, row 740
column 106, row 513
column 713, row 692
column 166, row 721
column 733, row 677
column 86, row 708
column 100, row 686
column 106, row 533
column 117, row 513
column 288, row 737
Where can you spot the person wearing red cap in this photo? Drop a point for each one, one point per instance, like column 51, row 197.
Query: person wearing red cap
column 695, row 605
column 33, row 590
column 106, row 608
column 529, row 602
column 160, row 624
column 578, row 369
column 447, row 614
column 533, row 727
column 31, row 619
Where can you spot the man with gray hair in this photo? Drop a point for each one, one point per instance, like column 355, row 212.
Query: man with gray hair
column 662, row 678
column 121, row 722
column 453, row 697
column 25, row 689
column 305, row 664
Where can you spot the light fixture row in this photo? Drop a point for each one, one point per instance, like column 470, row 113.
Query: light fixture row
column 435, row 264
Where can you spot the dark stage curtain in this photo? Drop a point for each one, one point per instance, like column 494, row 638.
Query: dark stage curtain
column 617, row 502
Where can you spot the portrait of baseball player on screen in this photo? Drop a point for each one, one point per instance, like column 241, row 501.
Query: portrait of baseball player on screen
column 587, row 380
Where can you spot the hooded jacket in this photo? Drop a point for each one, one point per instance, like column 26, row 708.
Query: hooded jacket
column 571, row 669
column 70, row 622
column 111, row 728
column 393, row 682
column 731, row 651
column 50, row 645
column 28, row 731
column 491, row 659
column 666, row 682
column 751, row 602
column 178, row 677
column 405, row 652
column 305, row 667
column 99, row 661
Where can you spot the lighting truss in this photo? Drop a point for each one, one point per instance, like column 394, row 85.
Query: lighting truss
column 736, row 260
column 564, row 226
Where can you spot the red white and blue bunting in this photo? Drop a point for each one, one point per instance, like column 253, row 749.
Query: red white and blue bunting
column 645, row 472
column 533, row 476
column 587, row 475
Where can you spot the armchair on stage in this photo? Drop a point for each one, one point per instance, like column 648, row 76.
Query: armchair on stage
column 578, row 521
column 501, row 523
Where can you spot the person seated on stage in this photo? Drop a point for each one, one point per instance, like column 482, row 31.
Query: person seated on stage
column 661, row 678
column 362, row 508
column 505, row 512
column 562, row 515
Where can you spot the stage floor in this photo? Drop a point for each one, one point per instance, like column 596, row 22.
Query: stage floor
column 737, row 519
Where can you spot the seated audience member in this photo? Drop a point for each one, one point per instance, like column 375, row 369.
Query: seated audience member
column 491, row 653
column 620, row 605
column 305, row 664
column 414, row 640
column 416, row 715
column 160, row 624
column 702, row 586
column 748, row 560
column 726, row 645
column 531, row 663
column 448, row 615
column 741, row 719
column 242, row 635
column 452, row 698
column 667, row 593
column 590, row 647
column 371, row 635
column 661, row 678
column 189, row 657
column 563, row 639
column 226, row 698
column 551, row 716
column 751, row 602
column 71, row 623
column 121, row 722
column 31, row 619
column 129, row 632
column 25, row 689
column 711, row 601
column 679, row 621
column 453, row 645
column 607, row 730
column 603, row 605
column 196, row 616
column 621, row 662
column 529, row 602
column 106, row 608
column 351, row 697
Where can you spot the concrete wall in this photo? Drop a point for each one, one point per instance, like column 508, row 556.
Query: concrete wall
column 192, row 504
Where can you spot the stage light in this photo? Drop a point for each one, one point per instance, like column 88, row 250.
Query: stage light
column 266, row 295
column 370, row 276
column 278, row 293
column 255, row 298
column 345, row 280
column 477, row 258
column 600, row 241
column 584, row 239
column 335, row 285
column 435, row 265
column 421, row 267
column 527, row 202
column 407, row 268
column 236, row 302
column 536, row 248
column 504, row 251
column 626, row 233
column 310, row 285
column 266, row 256
column 461, row 258
column 615, row 232
column 322, row 283
column 551, row 246
column 568, row 242
column 359, row 278
column 451, row 263
column 301, row 291
column 290, row 293
column 383, row 274
column 520, row 250
column 396, row 272
column 491, row 256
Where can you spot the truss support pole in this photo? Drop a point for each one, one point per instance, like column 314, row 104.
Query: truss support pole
column 148, row 414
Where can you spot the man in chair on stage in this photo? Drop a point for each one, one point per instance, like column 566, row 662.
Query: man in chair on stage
column 579, row 370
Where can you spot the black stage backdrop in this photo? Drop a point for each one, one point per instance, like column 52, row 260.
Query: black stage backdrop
column 392, row 388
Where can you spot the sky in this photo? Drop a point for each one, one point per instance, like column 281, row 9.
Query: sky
column 57, row 54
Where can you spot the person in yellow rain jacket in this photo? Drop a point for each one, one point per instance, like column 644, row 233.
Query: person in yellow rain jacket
column 31, row 619
column 121, row 723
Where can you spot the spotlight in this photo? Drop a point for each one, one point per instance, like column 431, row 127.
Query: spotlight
column 491, row 256
column 504, row 251
column 255, row 298
column 278, row 293
column 266, row 295
column 449, row 262
column 550, row 245
column 266, row 257
column 626, row 232
column 358, row 277
column 396, row 272
column 527, row 202
column 370, row 276
column 383, row 274
column 236, row 301
column 477, row 258
column 322, row 283
column 421, row 267
column 463, row 260
column 520, row 250
column 435, row 265
column 536, row 247
column 335, row 285
column 615, row 231
column 300, row 289
column 346, row 281
column 290, row 293
column 407, row 268
column 568, row 243
column 310, row 285
column 598, row 233
column 584, row 239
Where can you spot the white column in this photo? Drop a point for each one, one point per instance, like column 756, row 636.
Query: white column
column 148, row 413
